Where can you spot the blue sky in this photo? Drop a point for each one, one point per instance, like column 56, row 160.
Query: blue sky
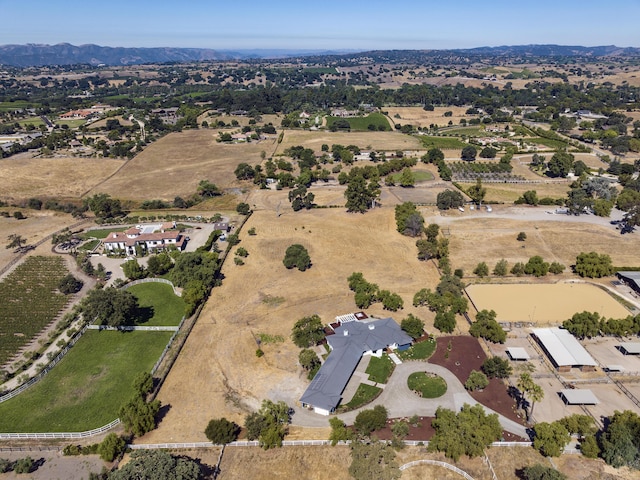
column 321, row 24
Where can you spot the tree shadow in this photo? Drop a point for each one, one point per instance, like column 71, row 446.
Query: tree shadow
column 144, row 314
column 164, row 410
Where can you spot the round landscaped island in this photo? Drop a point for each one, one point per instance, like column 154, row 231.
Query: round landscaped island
column 427, row 385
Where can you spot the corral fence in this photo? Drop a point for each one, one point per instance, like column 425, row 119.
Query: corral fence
column 439, row 464
column 37, row 448
column 153, row 280
column 286, row 443
column 63, row 435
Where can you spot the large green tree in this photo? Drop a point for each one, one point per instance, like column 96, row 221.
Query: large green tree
column 360, row 193
column 297, row 256
column 111, row 307
column 550, row 438
column 221, row 431
column 308, row 331
column 467, row 432
column 593, row 265
column 560, row 164
column 487, row 327
column 157, row 465
column 620, row 441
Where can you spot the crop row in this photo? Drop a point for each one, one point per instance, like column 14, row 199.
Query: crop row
column 30, row 301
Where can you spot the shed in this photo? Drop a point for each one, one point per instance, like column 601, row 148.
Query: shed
column 578, row 397
column 630, row 348
column 518, row 353
column 563, row 349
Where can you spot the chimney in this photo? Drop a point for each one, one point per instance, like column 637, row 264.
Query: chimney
column 346, row 332
column 372, row 326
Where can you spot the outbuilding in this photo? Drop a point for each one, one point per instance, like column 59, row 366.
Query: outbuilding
column 563, row 349
column 578, row 397
column 518, row 354
column 629, row 348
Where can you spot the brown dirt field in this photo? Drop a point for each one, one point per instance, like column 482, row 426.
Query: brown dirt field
column 218, row 362
column 546, row 303
column 313, row 463
column 419, row 117
column 376, row 140
column 22, row 177
column 466, row 355
column 176, row 163
column 553, row 241
column 34, row 228
column 506, row 461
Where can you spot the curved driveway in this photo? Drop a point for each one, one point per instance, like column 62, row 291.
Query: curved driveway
column 400, row 401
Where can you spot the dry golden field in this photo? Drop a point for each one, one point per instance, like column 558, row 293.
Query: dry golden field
column 510, row 192
column 217, row 373
column 333, row 462
column 175, row 164
column 103, row 123
column 22, row 177
column 418, row 116
column 365, row 140
column 544, row 303
column 34, row 228
column 475, row 240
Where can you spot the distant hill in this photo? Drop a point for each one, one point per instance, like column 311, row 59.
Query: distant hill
column 67, row 54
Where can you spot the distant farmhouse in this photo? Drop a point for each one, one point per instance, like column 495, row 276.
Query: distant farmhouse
column 351, row 337
column 148, row 238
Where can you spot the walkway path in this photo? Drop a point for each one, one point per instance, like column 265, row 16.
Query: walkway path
column 400, row 401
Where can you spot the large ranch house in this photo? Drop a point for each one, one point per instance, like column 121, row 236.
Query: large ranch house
column 351, row 337
column 145, row 239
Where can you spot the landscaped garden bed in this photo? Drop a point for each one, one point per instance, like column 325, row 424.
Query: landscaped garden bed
column 461, row 355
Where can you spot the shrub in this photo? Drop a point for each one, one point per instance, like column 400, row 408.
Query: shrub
column 476, row 381
column 259, row 353
column 222, row 431
column 23, row 465
column 481, row 270
column 521, row 237
column 111, row 447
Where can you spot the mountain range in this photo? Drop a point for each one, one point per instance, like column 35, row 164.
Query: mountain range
column 67, row 54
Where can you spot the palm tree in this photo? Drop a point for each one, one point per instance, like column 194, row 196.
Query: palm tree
column 533, row 391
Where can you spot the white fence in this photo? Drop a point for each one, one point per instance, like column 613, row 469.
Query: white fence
column 153, row 280
column 44, row 371
column 132, row 328
column 439, row 464
column 41, row 436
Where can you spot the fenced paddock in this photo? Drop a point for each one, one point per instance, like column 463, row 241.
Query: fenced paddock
column 543, row 304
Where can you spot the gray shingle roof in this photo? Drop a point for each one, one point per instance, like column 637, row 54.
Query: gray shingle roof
column 325, row 390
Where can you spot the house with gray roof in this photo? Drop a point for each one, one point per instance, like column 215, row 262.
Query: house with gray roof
column 350, row 342
column 632, row 279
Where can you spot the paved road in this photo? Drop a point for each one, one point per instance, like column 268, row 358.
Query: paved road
column 400, row 401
